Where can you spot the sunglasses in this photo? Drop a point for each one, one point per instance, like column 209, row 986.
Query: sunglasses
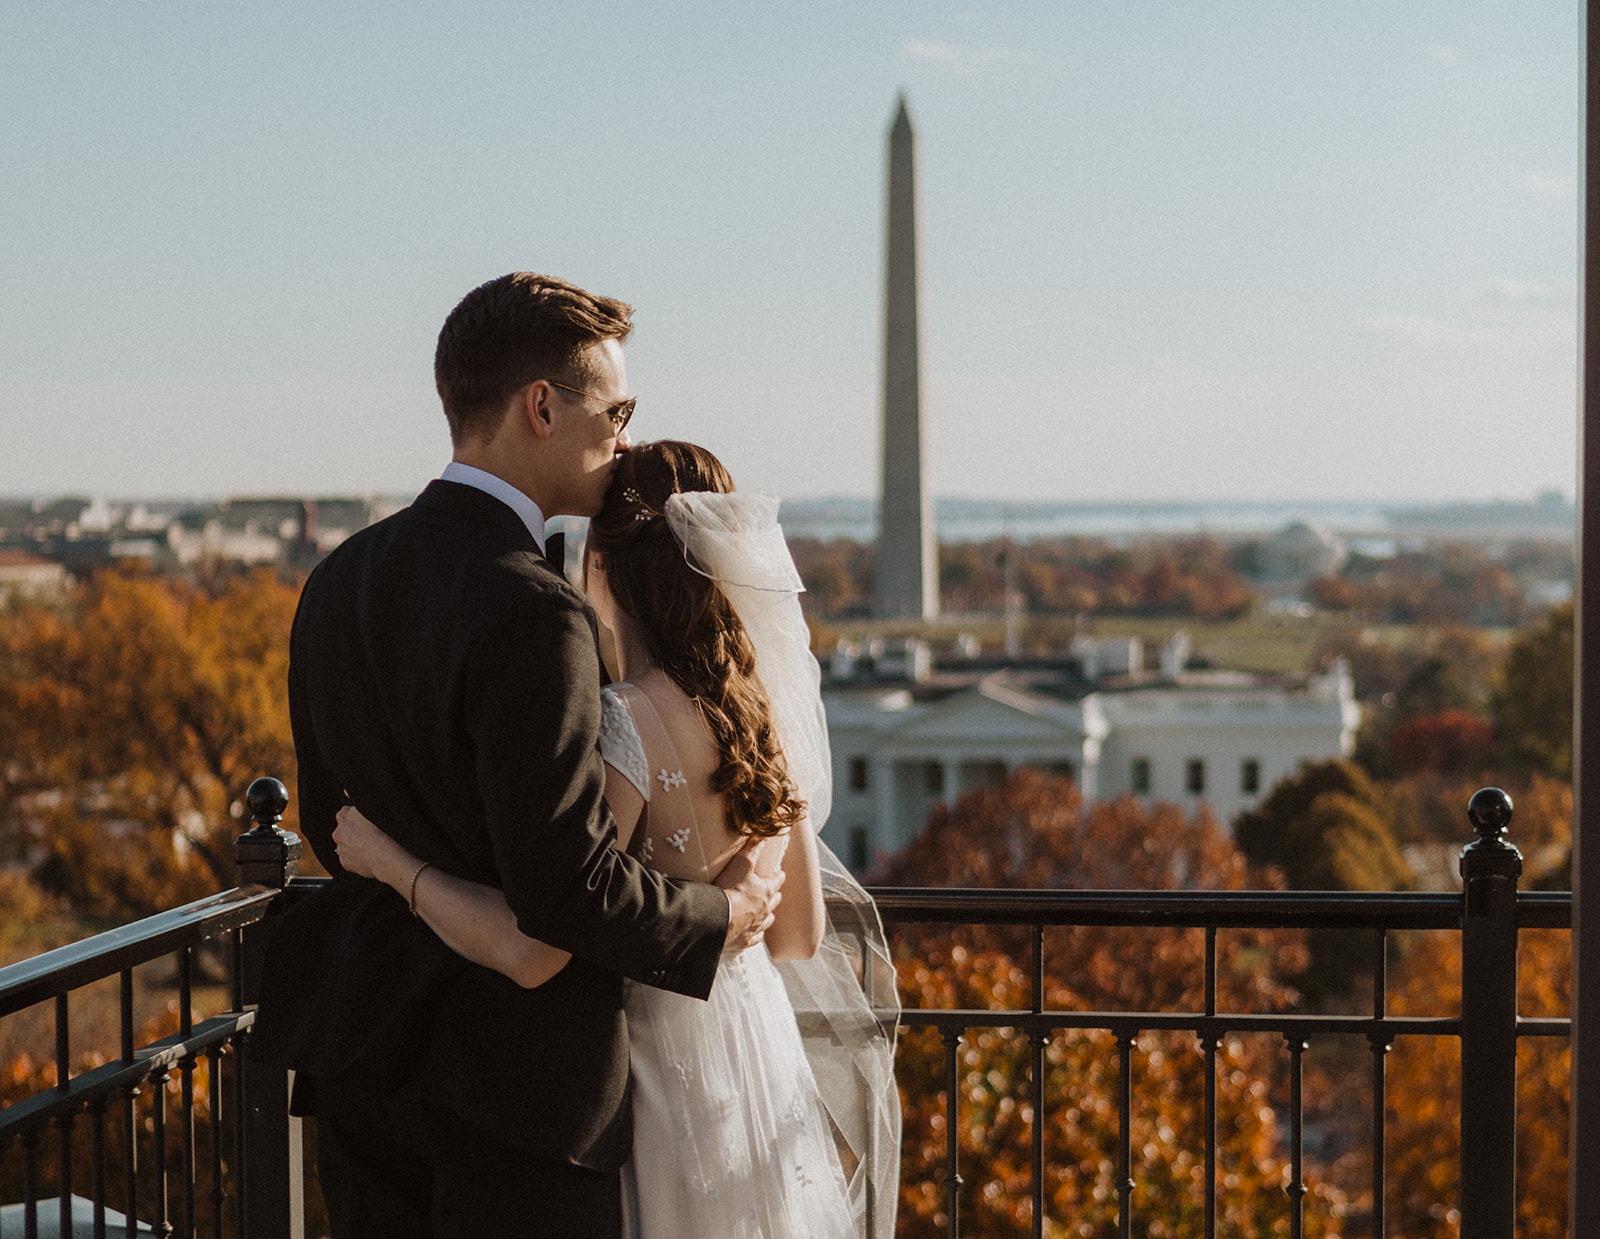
column 617, row 413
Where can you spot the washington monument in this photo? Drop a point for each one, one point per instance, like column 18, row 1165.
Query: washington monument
column 907, row 571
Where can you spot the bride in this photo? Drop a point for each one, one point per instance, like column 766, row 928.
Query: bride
column 743, row 1129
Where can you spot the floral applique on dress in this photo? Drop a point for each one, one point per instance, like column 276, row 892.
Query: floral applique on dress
column 671, row 780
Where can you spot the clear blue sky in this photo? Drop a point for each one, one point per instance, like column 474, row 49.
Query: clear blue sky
column 1171, row 249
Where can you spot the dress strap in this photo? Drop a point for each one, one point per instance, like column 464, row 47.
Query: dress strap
column 620, row 744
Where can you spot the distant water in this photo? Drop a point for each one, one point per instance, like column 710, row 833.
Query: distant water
column 977, row 520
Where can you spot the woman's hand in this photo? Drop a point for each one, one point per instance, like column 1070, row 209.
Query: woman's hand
column 363, row 848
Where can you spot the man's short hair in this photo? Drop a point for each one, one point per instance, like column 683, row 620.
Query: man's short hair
column 509, row 332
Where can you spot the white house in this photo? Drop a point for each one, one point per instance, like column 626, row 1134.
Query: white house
column 1215, row 738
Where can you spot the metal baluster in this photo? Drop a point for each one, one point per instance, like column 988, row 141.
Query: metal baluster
column 5, row 1148
column 1210, row 1044
column 186, row 1091
column 1039, row 1042
column 1297, row 1182
column 214, row 1091
column 30, row 1183
column 869, row 1214
column 240, row 1171
column 158, row 1114
column 1380, row 1043
column 64, row 1130
column 952, row 1176
column 130, row 1118
column 64, row 1124
column 1125, row 1043
column 97, row 1168
column 241, row 1168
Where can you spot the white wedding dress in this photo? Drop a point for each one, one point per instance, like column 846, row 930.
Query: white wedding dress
column 731, row 1137
column 769, row 1111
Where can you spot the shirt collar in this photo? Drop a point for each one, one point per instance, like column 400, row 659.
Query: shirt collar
column 489, row 484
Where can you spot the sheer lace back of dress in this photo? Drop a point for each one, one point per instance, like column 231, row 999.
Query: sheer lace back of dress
column 683, row 832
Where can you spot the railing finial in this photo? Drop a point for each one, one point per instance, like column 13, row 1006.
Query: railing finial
column 267, row 799
column 266, row 855
column 1489, row 810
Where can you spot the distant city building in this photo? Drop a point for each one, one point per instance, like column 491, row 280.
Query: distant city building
column 82, row 535
column 24, row 575
column 906, row 569
column 907, row 735
column 1299, row 552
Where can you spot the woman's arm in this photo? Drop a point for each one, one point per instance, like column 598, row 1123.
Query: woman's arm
column 472, row 919
column 800, row 919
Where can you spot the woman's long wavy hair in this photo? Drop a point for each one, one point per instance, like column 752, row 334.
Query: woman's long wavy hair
column 691, row 630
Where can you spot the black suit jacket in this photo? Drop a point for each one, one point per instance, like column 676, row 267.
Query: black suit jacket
column 446, row 676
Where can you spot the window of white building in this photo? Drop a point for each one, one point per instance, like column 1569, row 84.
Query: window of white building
column 858, row 774
column 1250, row 776
column 1194, row 776
column 1139, row 776
column 858, row 848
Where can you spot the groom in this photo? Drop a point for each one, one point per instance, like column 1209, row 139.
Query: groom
column 444, row 677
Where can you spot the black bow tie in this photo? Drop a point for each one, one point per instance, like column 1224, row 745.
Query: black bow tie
column 555, row 551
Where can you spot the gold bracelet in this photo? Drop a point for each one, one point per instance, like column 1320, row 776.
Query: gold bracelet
column 411, row 899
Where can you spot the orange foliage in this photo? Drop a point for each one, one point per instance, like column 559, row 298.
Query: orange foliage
column 1035, row 832
column 1424, row 1090
column 132, row 721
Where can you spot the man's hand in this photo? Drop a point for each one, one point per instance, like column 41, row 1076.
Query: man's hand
column 752, row 896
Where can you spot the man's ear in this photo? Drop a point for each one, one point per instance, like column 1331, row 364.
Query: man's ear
column 534, row 407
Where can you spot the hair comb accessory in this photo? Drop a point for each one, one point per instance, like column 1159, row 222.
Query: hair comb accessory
column 642, row 510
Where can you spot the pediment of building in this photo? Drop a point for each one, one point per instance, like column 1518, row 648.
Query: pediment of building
column 990, row 713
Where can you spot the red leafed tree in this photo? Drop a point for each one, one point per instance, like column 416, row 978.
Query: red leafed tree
column 1035, row 831
column 1448, row 741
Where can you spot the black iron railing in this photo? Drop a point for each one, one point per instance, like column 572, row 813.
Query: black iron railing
column 237, row 1168
column 1489, row 915
column 169, row 1164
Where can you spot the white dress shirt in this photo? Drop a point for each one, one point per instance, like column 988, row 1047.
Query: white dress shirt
column 489, row 484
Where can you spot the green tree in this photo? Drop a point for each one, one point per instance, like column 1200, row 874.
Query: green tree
column 1326, row 828
column 1531, row 702
column 1311, row 848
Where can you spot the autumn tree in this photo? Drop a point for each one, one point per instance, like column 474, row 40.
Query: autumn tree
column 1449, row 741
column 131, row 721
column 1424, row 1091
column 1532, row 700
column 837, row 575
column 1326, row 828
column 1455, row 580
column 1033, row 831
